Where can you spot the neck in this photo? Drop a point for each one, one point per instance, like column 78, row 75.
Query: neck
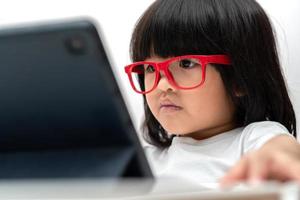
column 210, row 132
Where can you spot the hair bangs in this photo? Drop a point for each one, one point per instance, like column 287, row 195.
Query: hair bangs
column 173, row 29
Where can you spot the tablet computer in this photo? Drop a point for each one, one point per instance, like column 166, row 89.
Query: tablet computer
column 61, row 111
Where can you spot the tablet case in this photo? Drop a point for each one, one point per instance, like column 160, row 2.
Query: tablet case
column 61, row 111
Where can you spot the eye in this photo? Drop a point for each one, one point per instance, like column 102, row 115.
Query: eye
column 186, row 64
column 149, row 69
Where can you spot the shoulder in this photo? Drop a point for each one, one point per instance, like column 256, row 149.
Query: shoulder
column 265, row 126
column 256, row 134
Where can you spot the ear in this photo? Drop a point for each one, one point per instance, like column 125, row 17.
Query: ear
column 239, row 94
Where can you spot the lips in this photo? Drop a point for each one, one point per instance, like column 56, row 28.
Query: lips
column 169, row 106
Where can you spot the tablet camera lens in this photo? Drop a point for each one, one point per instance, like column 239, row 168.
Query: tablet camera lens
column 75, row 45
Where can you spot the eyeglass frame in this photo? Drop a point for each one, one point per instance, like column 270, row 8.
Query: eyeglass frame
column 163, row 66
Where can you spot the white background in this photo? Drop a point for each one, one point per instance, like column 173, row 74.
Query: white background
column 118, row 17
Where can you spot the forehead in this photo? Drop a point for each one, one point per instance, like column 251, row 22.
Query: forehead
column 156, row 58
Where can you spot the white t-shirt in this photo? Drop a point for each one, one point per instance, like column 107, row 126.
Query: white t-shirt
column 204, row 162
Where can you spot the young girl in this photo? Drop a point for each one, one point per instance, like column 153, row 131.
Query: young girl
column 214, row 92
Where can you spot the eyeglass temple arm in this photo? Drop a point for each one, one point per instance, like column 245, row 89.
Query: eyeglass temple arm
column 219, row 59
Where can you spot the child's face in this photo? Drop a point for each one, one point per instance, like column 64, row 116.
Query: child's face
column 199, row 113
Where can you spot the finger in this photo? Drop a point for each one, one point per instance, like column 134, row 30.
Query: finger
column 236, row 173
column 258, row 168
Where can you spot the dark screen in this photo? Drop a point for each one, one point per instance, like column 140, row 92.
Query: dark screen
column 58, row 94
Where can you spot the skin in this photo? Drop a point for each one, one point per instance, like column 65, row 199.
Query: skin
column 278, row 159
column 209, row 104
column 213, row 110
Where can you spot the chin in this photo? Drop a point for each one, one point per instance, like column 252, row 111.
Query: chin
column 175, row 130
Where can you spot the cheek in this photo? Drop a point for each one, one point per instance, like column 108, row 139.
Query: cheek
column 152, row 101
column 213, row 106
column 211, row 103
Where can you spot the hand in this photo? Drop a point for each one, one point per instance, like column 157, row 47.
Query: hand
column 278, row 159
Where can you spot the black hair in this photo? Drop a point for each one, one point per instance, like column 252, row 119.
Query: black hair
column 238, row 28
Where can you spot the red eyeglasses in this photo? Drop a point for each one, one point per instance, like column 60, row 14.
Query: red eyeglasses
column 183, row 72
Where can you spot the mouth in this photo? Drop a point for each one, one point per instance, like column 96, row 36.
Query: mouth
column 169, row 107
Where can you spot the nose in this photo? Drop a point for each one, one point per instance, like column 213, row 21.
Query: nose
column 164, row 84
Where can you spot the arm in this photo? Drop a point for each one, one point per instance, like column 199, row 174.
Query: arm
column 278, row 159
